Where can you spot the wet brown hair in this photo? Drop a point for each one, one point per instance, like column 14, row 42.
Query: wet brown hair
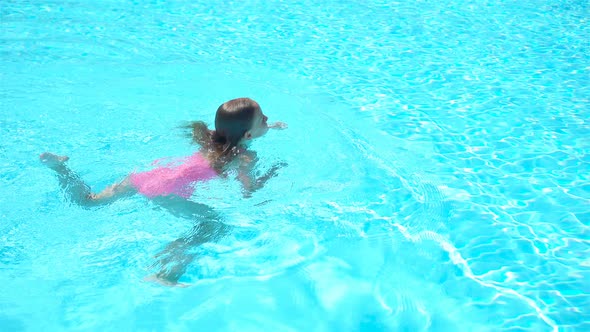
column 232, row 120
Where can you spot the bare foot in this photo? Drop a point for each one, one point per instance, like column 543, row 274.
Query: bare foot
column 164, row 282
column 52, row 160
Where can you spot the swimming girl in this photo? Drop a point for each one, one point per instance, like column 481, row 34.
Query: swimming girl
column 170, row 185
column 236, row 122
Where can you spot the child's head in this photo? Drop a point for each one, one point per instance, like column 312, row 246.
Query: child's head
column 239, row 119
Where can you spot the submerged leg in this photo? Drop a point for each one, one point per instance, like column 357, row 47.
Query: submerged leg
column 79, row 192
column 173, row 260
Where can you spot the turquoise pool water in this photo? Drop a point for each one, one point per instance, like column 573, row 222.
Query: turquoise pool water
column 438, row 164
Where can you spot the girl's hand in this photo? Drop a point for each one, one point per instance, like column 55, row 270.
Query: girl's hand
column 278, row 125
column 252, row 183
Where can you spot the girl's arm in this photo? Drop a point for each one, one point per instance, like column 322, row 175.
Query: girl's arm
column 278, row 125
column 246, row 173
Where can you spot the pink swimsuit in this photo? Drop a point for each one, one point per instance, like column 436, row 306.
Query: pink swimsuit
column 173, row 178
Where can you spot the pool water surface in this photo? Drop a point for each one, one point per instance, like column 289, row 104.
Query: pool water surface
column 437, row 165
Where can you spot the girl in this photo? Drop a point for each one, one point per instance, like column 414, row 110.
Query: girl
column 236, row 122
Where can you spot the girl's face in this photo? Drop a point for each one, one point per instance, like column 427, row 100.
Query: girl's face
column 259, row 125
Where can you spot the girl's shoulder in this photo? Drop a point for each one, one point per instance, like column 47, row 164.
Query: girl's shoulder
column 221, row 161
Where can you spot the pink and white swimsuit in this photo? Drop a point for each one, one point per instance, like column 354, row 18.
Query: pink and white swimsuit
column 175, row 178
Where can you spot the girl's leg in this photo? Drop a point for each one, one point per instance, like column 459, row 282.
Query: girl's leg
column 173, row 260
column 78, row 191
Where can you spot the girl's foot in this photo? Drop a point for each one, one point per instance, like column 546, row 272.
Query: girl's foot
column 53, row 160
column 156, row 279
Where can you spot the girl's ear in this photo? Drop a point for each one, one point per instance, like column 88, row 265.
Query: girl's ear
column 248, row 135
